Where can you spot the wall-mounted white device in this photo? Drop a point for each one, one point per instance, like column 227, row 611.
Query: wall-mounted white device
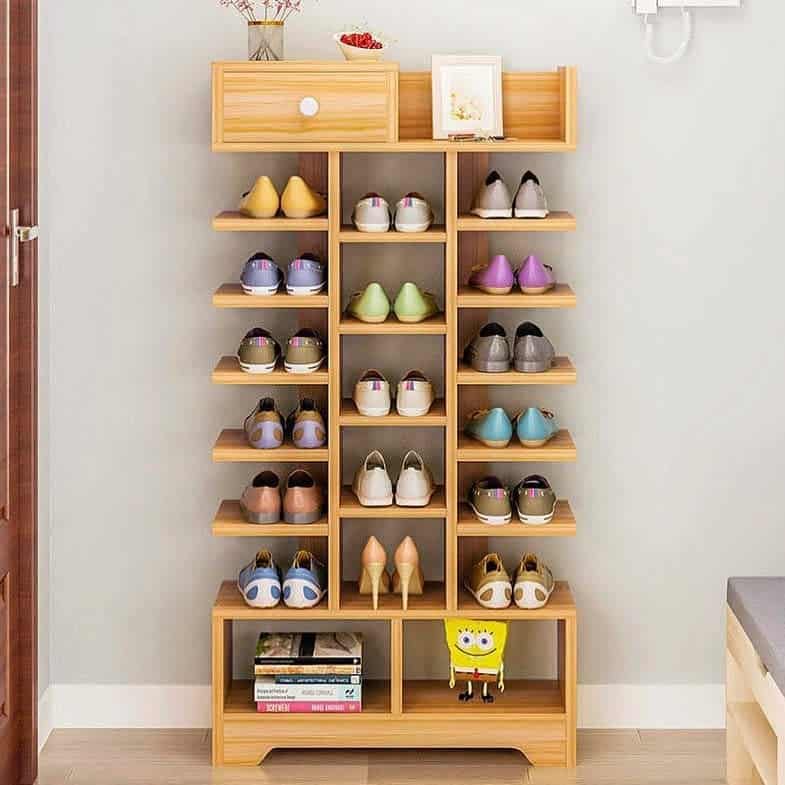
column 648, row 8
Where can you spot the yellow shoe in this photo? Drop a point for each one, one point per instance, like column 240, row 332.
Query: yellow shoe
column 300, row 201
column 261, row 201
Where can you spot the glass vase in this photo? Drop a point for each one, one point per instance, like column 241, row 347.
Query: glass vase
column 265, row 40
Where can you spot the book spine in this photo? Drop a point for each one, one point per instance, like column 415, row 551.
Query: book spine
column 307, row 692
column 308, row 707
column 316, row 678
column 307, row 670
column 312, row 661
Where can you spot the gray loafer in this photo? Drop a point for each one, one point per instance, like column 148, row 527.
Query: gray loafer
column 489, row 352
column 533, row 352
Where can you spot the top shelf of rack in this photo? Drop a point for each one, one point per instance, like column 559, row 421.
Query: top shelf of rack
column 374, row 108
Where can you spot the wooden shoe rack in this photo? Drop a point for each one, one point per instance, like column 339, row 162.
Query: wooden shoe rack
column 374, row 109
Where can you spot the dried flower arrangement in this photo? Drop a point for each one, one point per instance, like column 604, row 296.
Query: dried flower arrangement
column 264, row 10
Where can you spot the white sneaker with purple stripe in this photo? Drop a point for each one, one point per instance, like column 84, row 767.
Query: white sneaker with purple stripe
column 372, row 214
column 413, row 214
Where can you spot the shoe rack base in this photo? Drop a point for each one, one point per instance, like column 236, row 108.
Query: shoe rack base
column 376, row 109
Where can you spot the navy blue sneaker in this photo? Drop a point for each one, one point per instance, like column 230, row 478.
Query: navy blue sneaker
column 305, row 275
column 306, row 581
column 261, row 276
column 260, row 581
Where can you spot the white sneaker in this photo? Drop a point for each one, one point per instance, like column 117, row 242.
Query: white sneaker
column 415, row 483
column 372, row 214
column 530, row 201
column 413, row 214
column 372, row 394
column 493, row 199
column 415, row 395
column 372, row 484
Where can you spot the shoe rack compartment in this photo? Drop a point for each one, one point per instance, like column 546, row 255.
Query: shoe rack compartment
column 535, row 716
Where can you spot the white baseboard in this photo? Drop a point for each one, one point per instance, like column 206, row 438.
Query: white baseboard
column 44, row 717
column 657, row 706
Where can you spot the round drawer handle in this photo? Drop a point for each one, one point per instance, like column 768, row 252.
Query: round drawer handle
column 309, row 106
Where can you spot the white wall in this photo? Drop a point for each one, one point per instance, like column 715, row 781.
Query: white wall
column 678, row 188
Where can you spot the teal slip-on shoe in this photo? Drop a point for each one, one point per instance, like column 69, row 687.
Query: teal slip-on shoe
column 371, row 305
column 413, row 305
column 492, row 427
column 535, row 427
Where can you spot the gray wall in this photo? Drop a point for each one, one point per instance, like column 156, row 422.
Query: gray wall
column 677, row 185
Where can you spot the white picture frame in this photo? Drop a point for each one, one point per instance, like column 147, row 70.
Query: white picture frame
column 467, row 95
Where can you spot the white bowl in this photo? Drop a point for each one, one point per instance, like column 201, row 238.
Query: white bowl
column 358, row 53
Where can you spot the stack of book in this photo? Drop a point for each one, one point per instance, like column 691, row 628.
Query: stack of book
column 308, row 672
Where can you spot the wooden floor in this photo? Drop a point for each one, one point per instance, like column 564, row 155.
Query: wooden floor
column 143, row 757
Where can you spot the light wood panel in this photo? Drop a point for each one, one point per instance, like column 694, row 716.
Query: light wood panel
column 231, row 295
column 229, row 521
column 351, row 507
column 562, row 525
column 759, row 739
column 232, row 447
column 557, row 221
column 436, row 325
column 228, row 371
column 436, row 417
column 560, row 448
column 561, row 296
column 562, row 372
column 424, row 605
column 435, row 234
column 233, row 221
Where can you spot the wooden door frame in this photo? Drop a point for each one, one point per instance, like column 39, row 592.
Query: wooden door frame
column 23, row 384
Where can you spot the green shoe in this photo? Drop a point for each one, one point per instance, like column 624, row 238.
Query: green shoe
column 371, row 305
column 412, row 305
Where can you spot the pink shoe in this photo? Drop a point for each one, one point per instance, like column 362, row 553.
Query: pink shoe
column 534, row 277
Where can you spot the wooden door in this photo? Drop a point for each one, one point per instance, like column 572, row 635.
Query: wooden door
column 18, row 393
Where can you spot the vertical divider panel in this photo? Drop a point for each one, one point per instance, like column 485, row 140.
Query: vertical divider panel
column 396, row 666
column 451, row 377
column 567, row 647
column 334, row 368
column 222, row 680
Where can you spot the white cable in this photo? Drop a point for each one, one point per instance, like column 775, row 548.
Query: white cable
column 679, row 53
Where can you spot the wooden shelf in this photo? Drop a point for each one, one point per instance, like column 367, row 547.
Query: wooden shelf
column 231, row 295
column 521, row 697
column 424, row 605
column 411, row 145
column 351, row 507
column 562, row 372
column 435, row 325
column 561, row 605
column 562, row 525
column 232, row 447
column 233, row 221
column 239, row 702
column 560, row 448
column 229, row 604
column 229, row 521
column 555, row 222
column 436, row 417
column 349, row 234
column 228, row 371
column 561, row 296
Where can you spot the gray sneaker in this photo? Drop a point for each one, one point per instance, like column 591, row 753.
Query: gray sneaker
column 489, row 352
column 530, row 201
column 533, row 352
column 493, row 200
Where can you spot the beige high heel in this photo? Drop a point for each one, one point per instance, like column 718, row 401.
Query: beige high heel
column 374, row 560
column 407, row 578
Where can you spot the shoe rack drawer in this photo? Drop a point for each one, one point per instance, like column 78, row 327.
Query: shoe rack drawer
column 304, row 102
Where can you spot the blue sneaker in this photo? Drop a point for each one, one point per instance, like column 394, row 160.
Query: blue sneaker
column 306, row 582
column 260, row 582
column 535, row 427
column 306, row 275
column 261, row 276
column 492, row 427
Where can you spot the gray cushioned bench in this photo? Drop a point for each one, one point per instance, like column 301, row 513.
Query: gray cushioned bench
column 755, row 682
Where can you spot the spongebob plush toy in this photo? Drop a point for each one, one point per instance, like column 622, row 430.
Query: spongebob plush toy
column 476, row 654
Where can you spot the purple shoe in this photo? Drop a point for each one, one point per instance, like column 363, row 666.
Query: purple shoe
column 261, row 275
column 534, row 277
column 306, row 426
column 264, row 426
column 496, row 277
column 305, row 275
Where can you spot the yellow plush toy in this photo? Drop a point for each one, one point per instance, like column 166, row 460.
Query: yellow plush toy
column 476, row 654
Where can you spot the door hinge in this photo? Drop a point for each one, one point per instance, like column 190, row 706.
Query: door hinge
column 18, row 234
